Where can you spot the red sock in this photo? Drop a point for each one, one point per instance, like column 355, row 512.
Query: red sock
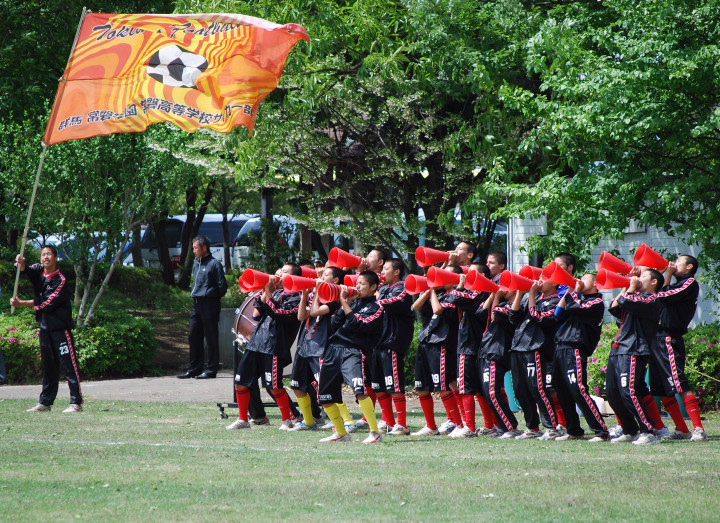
column 428, row 408
column 386, row 406
column 693, row 410
column 371, row 394
column 451, row 407
column 469, row 411
column 487, row 412
column 559, row 412
column 461, row 406
column 653, row 411
column 283, row 401
column 243, row 400
column 401, row 408
column 673, row 408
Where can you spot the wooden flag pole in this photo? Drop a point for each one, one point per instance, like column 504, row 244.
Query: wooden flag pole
column 37, row 176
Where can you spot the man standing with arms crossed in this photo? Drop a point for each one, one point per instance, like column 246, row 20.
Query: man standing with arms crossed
column 209, row 286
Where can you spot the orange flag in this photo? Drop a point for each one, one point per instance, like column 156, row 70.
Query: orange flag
column 204, row 70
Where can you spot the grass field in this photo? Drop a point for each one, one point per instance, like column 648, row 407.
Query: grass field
column 148, row 461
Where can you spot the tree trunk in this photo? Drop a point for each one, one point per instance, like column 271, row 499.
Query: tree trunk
column 166, row 268
column 137, row 246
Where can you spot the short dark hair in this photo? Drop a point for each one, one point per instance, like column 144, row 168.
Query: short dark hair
column 370, row 277
column 482, row 269
column 692, row 260
column 306, row 263
column 202, row 241
column 471, row 249
column 338, row 273
column 397, row 265
column 295, row 268
column 52, row 248
column 454, row 268
column 568, row 259
column 500, row 257
column 382, row 253
column 657, row 275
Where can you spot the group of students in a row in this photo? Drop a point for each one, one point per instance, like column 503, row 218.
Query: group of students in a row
column 468, row 341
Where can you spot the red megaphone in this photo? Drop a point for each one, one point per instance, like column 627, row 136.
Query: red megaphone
column 530, row 272
column 509, row 281
column 646, row 257
column 474, row 281
column 556, row 274
column 298, row 283
column 340, row 258
column 253, row 280
column 351, row 280
column 425, row 256
column 440, row 277
column 610, row 280
column 328, row 292
column 465, row 268
column 309, row 273
column 241, row 286
column 415, row 284
column 613, row 264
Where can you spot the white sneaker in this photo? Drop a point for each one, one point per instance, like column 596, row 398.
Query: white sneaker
column 698, row 435
column 74, row 407
column 39, row 408
column 615, row 432
column 426, row 431
column 399, row 430
column 677, row 434
column 239, row 424
column 463, row 432
column 286, row 425
column 373, row 437
column 549, row 434
column 646, row 438
column 598, row 439
column 351, row 428
column 623, row 438
column 382, row 425
column 568, row 437
column 484, row 431
column 663, row 433
column 510, row 434
column 301, row 426
column 530, row 434
column 337, row 438
column 329, row 426
column 561, row 430
column 362, row 424
column 447, row 427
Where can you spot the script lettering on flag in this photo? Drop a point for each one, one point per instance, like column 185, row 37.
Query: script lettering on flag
column 206, row 70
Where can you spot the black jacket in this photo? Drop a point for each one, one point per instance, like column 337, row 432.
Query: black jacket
column 535, row 327
column 208, row 278
column 472, row 323
column 315, row 331
column 581, row 322
column 361, row 329
column 678, row 303
column 442, row 329
column 496, row 340
column 278, row 325
column 398, row 320
column 53, row 309
column 639, row 313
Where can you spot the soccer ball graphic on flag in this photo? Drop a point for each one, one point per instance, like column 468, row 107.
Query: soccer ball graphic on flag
column 176, row 67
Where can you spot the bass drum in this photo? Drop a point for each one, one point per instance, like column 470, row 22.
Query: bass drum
column 244, row 324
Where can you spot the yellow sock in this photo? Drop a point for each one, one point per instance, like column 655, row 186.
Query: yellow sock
column 368, row 410
column 334, row 414
column 306, row 409
column 344, row 412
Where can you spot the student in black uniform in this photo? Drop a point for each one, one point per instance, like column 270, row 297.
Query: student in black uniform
column 639, row 313
column 53, row 312
column 678, row 302
column 357, row 329
column 580, row 312
column 268, row 350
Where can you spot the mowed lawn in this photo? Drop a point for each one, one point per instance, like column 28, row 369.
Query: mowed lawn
column 149, row 461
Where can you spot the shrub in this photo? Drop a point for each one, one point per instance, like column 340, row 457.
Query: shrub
column 597, row 363
column 234, row 297
column 21, row 346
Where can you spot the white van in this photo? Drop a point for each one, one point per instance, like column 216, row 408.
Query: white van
column 289, row 232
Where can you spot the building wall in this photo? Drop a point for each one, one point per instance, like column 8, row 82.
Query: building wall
column 521, row 229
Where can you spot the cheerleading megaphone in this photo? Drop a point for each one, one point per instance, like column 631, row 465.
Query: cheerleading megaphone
column 307, row 272
column 609, row 280
column 351, row 280
column 613, row 264
column 425, row 256
column 646, row 257
column 530, row 272
column 328, row 292
column 415, row 284
column 293, row 283
column 509, row 281
column 556, row 274
column 340, row 258
column 253, row 280
column 474, row 281
column 440, row 277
